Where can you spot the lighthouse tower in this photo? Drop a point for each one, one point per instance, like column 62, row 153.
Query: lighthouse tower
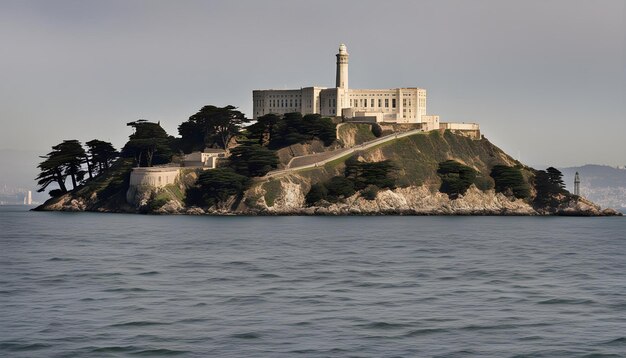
column 341, row 82
column 342, row 67
column 576, row 184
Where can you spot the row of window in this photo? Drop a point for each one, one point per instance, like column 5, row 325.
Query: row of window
column 283, row 103
column 362, row 102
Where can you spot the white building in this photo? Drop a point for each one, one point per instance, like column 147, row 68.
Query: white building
column 397, row 105
column 206, row 159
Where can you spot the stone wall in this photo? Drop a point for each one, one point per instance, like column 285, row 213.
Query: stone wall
column 154, row 176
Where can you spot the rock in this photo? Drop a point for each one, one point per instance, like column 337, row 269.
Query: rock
column 194, row 210
column 611, row 212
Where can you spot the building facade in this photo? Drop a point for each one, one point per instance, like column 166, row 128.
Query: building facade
column 397, row 105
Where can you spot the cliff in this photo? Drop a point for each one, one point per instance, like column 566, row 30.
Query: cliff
column 417, row 193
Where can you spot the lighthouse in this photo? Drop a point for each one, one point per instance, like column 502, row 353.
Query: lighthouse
column 342, row 67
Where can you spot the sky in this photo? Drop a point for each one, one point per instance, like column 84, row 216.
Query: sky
column 546, row 79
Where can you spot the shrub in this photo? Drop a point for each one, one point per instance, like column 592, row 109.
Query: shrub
column 317, row 193
column 377, row 131
column 215, row 186
column 370, row 192
column 456, row 178
column 155, row 204
column 339, row 187
column 381, row 174
column 510, row 180
column 252, row 160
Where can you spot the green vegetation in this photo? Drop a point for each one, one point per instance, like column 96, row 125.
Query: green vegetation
column 272, row 191
column 362, row 174
column 216, row 186
column 370, row 192
column 252, row 160
column 317, row 193
column 549, row 184
column 65, row 160
column 339, row 187
column 211, row 126
column 456, row 178
column 277, row 132
column 148, row 145
column 102, row 154
column 509, row 180
column 369, row 177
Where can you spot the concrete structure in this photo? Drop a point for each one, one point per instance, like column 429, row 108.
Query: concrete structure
column 459, row 126
column 397, row 105
column 160, row 176
column 154, row 176
column 207, row 159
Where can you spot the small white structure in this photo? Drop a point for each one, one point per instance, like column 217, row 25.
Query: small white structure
column 206, row 159
column 430, row 122
column 460, row 126
column 154, row 176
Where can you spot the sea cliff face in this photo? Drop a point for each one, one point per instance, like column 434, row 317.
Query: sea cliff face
column 417, row 191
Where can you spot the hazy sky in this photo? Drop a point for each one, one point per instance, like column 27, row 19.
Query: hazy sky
column 545, row 79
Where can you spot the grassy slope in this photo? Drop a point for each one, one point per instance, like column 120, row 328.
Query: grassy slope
column 417, row 158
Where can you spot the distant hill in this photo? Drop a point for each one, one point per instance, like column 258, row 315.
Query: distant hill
column 601, row 184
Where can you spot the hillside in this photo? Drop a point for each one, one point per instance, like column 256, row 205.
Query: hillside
column 415, row 157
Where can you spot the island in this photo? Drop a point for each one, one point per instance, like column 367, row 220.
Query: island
column 307, row 151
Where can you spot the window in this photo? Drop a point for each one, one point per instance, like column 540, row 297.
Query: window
column 365, row 102
column 386, row 102
column 334, row 102
column 393, row 103
column 350, row 102
column 380, row 102
column 372, row 103
column 403, row 101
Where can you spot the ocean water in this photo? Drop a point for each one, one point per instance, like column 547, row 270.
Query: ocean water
column 110, row 285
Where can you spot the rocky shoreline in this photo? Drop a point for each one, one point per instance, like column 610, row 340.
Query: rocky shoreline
column 410, row 201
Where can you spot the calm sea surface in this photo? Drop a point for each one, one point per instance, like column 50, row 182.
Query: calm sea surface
column 100, row 285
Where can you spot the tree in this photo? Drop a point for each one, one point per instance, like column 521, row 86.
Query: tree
column 315, row 126
column 293, row 128
column 216, row 186
column 548, row 184
column 288, row 131
column 51, row 172
column 66, row 159
column 556, row 178
column 381, row 174
column 456, row 178
column 149, row 144
column 264, row 129
column 101, row 155
column 252, row 160
column 74, row 157
column 340, row 187
column 510, row 180
column 211, row 126
column 317, row 193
